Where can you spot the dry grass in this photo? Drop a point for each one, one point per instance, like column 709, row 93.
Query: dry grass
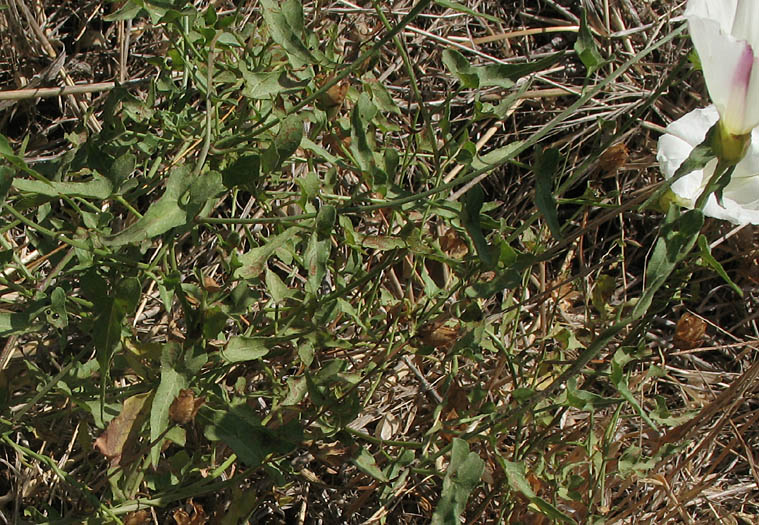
column 430, row 361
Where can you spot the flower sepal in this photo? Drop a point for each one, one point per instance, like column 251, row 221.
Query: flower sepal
column 728, row 147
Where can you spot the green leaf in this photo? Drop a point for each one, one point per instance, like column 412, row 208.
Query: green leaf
column 361, row 119
column 383, row 242
column 243, row 172
column 545, row 170
column 316, row 259
column 501, row 75
column 515, row 474
column 6, row 179
column 450, row 4
column 366, row 464
column 677, row 238
column 470, row 218
column 240, row 428
column 168, row 389
column 708, row 258
column 585, row 46
column 185, row 196
column 460, row 67
column 241, row 348
column 121, row 169
column 463, row 474
column 262, row 85
column 127, row 12
column 619, row 379
column 254, row 261
column 285, row 143
column 107, row 330
column 279, row 20
column 14, row 323
column 278, row 290
column 57, row 316
column 98, row 188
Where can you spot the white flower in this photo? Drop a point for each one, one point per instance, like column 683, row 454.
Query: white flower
column 726, row 36
column 740, row 197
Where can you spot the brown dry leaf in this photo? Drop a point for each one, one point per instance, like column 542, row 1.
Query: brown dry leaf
column 453, row 245
column 121, row 434
column 389, row 427
column 440, row 336
column 614, row 158
column 210, row 285
column 689, row 332
column 138, row 517
column 198, row 515
column 184, row 408
column 334, row 96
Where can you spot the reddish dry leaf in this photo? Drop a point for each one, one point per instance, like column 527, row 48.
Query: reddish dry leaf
column 138, row 517
column 440, row 336
column 184, row 408
column 614, row 158
column 453, row 245
column 689, row 332
column 334, row 96
column 210, row 285
column 198, row 515
column 120, row 437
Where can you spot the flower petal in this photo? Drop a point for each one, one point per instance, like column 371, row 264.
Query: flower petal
column 740, row 197
column 731, row 71
column 721, row 11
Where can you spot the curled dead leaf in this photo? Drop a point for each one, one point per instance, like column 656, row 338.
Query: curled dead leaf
column 182, row 517
column 689, row 332
column 453, row 245
column 184, row 408
column 138, row 517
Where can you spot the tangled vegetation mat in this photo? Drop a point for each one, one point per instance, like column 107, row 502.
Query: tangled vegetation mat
column 332, row 262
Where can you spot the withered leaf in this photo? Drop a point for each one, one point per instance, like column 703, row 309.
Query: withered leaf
column 453, row 245
column 198, row 517
column 121, row 435
column 689, row 332
column 138, row 517
column 185, row 406
column 440, row 336
column 614, row 158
